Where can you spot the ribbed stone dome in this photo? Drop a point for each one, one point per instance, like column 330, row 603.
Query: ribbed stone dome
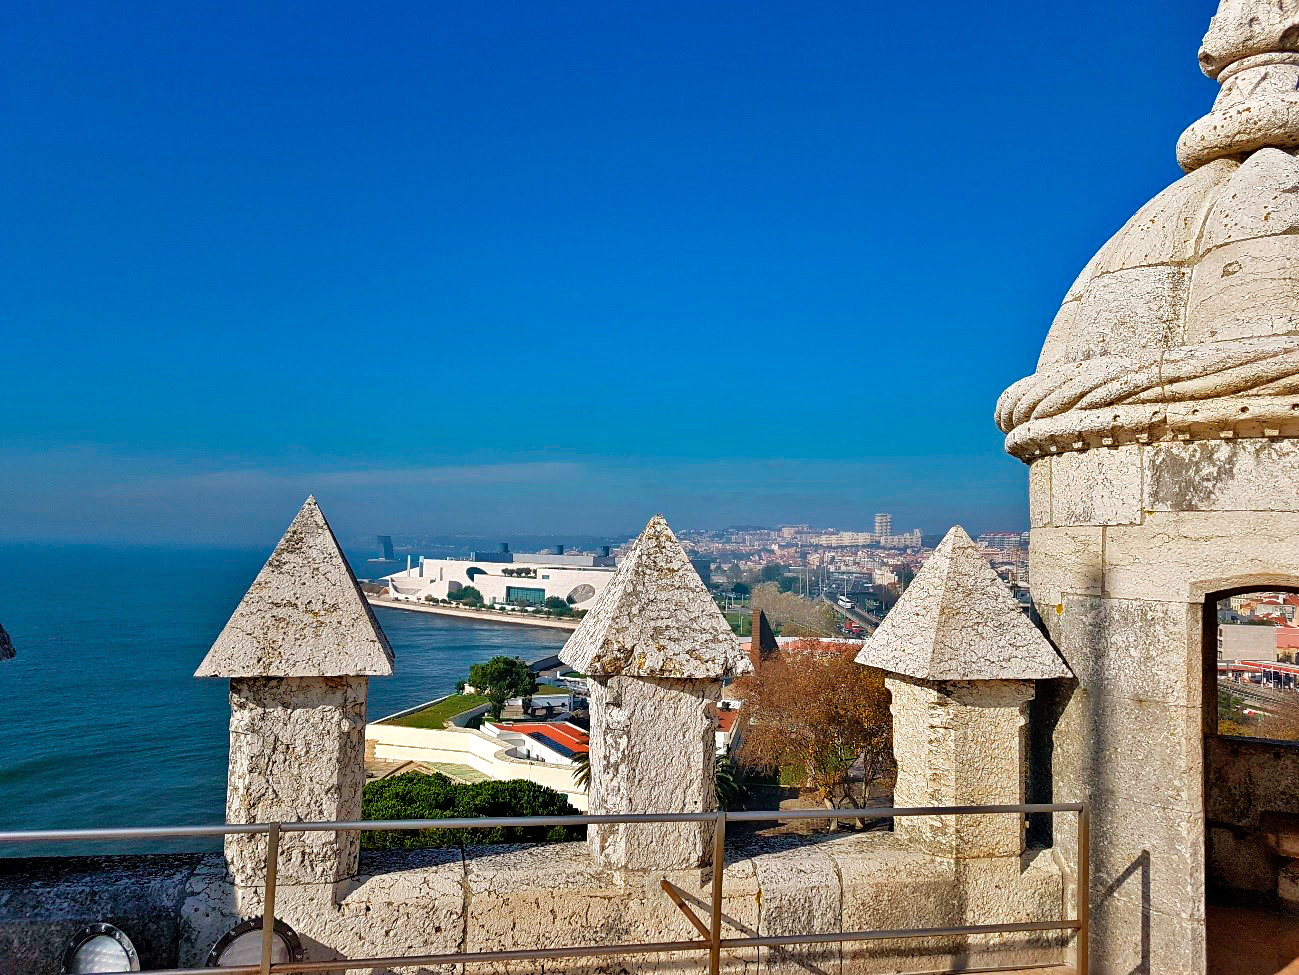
column 1186, row 324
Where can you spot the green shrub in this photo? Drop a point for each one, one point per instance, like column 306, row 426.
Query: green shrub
column 414, row 795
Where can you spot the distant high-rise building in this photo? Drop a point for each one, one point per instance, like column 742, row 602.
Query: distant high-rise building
column 883, row 524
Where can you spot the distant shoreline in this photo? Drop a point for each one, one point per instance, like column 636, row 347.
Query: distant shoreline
column 481, row 616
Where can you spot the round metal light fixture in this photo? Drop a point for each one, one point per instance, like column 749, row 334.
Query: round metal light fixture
column 100, row 947
column 242, row 945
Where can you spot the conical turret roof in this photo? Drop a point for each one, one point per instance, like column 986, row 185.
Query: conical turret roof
column 303, row 616
column 958, row 621
column 655, row 619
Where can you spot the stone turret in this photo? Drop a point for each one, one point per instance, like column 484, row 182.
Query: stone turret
column 298, row 651
column 655, row 649
column 1161, row 430
column 962, row 659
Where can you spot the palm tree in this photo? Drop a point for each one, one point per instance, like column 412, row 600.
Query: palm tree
column 729, row 782
column 582, row 771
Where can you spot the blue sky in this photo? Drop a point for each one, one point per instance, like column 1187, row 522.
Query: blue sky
column 519, row 267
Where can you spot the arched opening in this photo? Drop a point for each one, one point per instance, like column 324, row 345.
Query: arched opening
column 1251, row 778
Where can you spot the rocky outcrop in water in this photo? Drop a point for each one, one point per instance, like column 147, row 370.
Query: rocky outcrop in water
column 6, row 645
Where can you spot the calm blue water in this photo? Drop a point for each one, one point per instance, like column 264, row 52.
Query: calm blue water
column 104, row 724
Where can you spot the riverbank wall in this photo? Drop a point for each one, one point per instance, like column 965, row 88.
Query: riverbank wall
column 482, row 616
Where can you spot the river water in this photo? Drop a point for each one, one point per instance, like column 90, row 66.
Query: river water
column 104, row 723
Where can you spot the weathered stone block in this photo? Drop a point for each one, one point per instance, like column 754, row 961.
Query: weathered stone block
column 652, row 750
column 1133, row 648
column 1146, row 751
column 554, row 896
column 1258, row 200
column 1183, row 555
column 960, row 743
column 1243, row 289
column 1165, row 230
column 801, row 894
column 46, row 901
column 1245, row 778
column 1059, row 339
column 1126, row 939
column 296, row 755
column 887, row 887
column 1217, row 475
column 1097, row 487
column 1131, row 310
column 1039, row 493
column 1147, row 855
column 1063, row 560
column 1240, row 860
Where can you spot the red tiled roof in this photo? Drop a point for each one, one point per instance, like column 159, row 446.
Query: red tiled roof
column 566, row 734
column 726, row 719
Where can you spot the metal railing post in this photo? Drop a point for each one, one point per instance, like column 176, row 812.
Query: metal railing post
column 711, row 941
column 719, row 866
column 268, row 900
column 1084, row 889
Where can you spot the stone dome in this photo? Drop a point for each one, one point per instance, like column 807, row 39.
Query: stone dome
column 1186, row 324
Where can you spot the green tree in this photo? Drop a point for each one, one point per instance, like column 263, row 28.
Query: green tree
column 466, row 594
column 739, row 589
column 771, row 572
column 557, row 605
column 502, row 678
column 415, row 795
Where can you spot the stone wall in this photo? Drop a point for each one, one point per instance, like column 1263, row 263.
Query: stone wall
column 496, row 898
column 1126, row 544
column 1246, row 777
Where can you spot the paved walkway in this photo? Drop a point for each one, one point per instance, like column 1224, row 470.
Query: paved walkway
column 379, row 768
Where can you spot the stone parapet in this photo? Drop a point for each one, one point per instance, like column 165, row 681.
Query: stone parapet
column 498, row 898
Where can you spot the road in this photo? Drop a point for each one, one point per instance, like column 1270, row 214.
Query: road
column 863, row 619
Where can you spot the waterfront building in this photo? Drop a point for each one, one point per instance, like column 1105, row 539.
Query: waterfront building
column 507, row 578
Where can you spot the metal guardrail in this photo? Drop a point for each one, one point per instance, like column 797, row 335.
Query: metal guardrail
column 711, row 939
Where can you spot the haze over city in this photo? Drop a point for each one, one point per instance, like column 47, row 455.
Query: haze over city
column 551, row 269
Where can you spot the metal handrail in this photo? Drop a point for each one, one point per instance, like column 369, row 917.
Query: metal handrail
column 712, row 942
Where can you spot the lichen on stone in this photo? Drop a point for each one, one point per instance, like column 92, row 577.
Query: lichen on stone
column 958, row 621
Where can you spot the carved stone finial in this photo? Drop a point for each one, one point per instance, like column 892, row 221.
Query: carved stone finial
column 303, row 616
column 961, row 658
column 1252, row 48
column 655, row 619
column 958, row 621
column 299, row 651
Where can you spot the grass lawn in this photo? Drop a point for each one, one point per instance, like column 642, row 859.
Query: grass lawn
column 437, row 715
column 551, row 689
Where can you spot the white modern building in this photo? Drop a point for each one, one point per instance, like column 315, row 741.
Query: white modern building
column 507, row 578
